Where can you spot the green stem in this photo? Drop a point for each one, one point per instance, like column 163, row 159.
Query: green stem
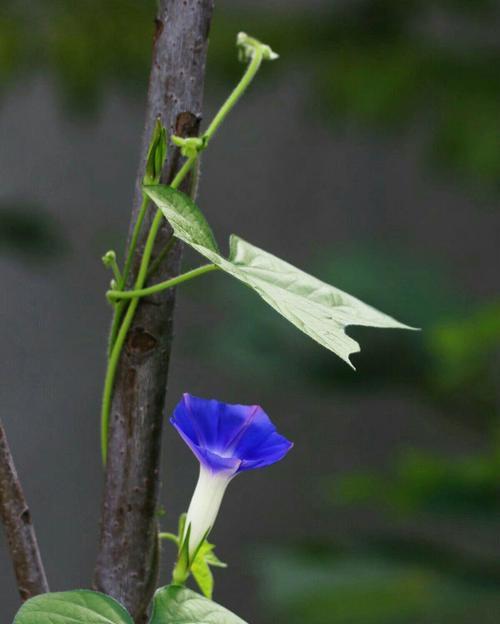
column 151, row 290
column 115, row 325
column 134, row 239
column 116, row 270
column 118, row 336
column 118, row 312
column 118, row 343
column 169, row 536
column 110, row 375
column 248, row 76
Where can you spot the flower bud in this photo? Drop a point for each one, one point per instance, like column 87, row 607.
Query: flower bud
column 156, row 155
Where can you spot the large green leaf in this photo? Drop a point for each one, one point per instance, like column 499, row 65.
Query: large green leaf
column 178, row 605
column 77, row 607
column 319, row 310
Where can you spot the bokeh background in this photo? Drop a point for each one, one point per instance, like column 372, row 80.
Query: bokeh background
column 368, row 155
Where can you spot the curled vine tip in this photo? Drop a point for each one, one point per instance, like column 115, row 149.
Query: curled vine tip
column 226, row 439
column 248, row 46
column 109, row 261
column 109, row 258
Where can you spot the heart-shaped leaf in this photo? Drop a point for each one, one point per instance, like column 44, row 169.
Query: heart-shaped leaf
column 319, row 310
column 78, row 607
column 178, row 605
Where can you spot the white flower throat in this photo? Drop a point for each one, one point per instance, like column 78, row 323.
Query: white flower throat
column 205, row 504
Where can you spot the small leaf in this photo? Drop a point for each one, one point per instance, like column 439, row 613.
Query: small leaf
column 184, row 216
column 78, row 607
column 200, row 568
column 319, row 310
column 203, row 576
column 178, row 605
column 157, row 153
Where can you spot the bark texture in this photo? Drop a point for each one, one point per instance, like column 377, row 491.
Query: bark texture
column 127, row 564
column 19, row 530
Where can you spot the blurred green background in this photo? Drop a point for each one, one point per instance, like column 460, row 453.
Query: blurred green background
column 369, row 155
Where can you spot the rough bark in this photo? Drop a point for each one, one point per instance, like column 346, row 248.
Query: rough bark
column 19, row 530
column 127, row 564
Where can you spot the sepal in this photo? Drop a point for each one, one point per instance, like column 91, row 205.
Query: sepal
column 200, row 568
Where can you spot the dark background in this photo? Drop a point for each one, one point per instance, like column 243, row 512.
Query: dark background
column 367, row 155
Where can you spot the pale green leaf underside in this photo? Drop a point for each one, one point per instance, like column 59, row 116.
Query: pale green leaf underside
column 72, row 607
column 178, row 605
column 319, row 310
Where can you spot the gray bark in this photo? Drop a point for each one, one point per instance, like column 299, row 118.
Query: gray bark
column 127, row 564
column 19, row 530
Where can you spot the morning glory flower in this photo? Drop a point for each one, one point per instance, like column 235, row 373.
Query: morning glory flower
column 226, row 439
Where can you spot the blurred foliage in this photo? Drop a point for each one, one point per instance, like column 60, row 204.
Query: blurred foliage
column 384, row 64
column 28, row 232
column 421, row 482
column 466, row 358
column 320, row 587
column 88, row 46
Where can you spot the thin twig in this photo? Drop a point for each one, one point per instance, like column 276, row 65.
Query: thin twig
column 19, row 529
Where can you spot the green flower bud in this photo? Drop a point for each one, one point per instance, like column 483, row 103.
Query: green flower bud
column 157, row 154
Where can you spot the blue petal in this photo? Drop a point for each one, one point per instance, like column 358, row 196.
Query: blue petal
column 260, row 445
column 228, row 437
column 212, row 424
column 212, row 461
column 270, row 451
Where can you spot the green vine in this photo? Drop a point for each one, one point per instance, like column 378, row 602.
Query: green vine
column 126, row 302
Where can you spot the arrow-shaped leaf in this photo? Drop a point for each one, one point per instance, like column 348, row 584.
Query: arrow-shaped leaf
column 319, row 310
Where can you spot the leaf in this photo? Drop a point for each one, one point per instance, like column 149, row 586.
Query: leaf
column 78, row 607
column 184, row 216
column 200, row 568
column 319, row 310
column 203, row 576
column 178, row 605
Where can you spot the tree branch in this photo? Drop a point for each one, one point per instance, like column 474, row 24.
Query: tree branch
column 16, row 518
column 127, row 564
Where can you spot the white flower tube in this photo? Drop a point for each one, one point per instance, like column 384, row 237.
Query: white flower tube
column 205, row 505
